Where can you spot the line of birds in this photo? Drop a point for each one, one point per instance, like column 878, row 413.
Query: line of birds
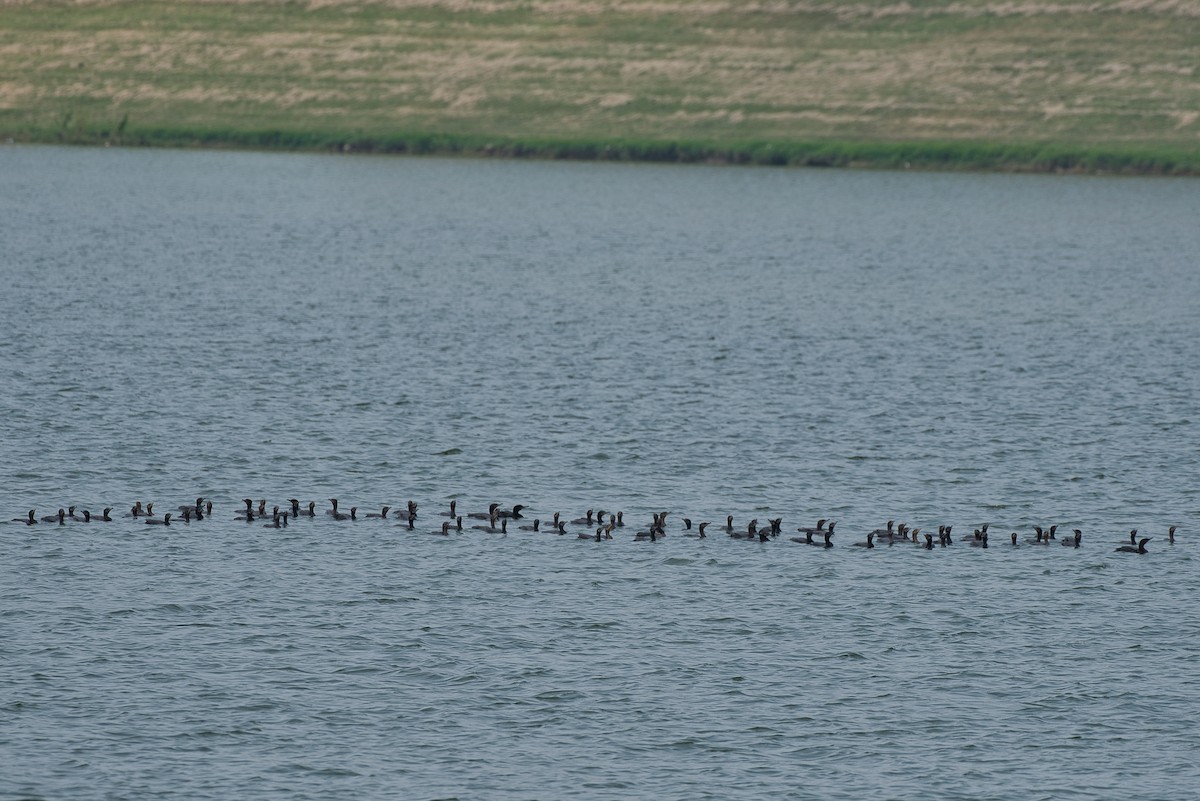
column 604, row 524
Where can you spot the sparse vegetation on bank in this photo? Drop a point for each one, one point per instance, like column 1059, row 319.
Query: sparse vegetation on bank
column 971, row 84
column 883, row 155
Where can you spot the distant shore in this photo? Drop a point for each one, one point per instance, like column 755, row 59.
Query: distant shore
column 935, row 156
column 940, row 85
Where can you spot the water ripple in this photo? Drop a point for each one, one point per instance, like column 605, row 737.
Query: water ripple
column 945, row 349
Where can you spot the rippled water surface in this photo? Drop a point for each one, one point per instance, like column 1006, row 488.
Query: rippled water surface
column 937, row 349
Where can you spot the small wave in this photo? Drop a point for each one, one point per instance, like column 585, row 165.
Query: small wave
column 559, row 696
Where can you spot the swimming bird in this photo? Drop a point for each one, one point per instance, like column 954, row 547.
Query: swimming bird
column 1141, row 546
column 535, row 527
column 820, row 529
column 687, row 524
column 870, row 543
column 30, row 520
column 197, row 507
column 1014, row 540
column 729, row 524
column 166, row 521
column 583, row 521
column 656, row 528
column 980, row 541
column 491, row 512
column 659, row 524
column 620, row 522
column 249, row 512
column 881, row 532
column 1171, row 535
column 1047, row 534
column 445, row 532
column 136, row 511
column 1074, row 542
column 515, row 513
column 59, row 518
column 451, row 514
column 750, row 533
column 295, row 502
column 699, row 532
column 807, row 539
column 490, row 528
column 382, row 515
column 249, row 515
column 928, row 542
column 409, row 514
column 71, row 513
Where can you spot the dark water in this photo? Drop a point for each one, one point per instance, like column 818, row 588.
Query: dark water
column 939, row 349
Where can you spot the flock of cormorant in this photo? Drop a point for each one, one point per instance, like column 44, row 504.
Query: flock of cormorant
column 597, row 525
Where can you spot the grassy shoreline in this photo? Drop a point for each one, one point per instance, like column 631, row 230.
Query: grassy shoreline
column 937, row 156
column 1110, row 87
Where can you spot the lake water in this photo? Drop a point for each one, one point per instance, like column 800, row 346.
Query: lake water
column 937, row 349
